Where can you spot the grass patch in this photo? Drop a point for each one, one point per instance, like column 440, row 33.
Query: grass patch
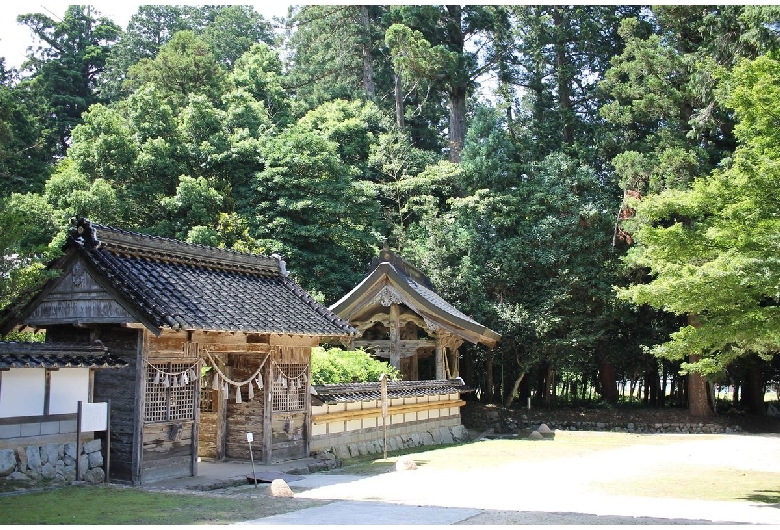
column 696, row 483
column 115, row 505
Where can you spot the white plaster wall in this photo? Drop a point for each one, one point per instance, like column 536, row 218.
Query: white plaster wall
column 22, row 391
column 68, row 387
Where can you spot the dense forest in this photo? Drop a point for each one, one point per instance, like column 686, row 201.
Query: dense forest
column 596, row 183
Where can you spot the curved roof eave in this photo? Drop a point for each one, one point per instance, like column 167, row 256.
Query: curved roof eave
column 352, row 300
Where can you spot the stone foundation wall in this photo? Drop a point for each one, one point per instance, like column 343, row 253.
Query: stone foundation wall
column 52, row 462
column 509, row 422
column 371, row 441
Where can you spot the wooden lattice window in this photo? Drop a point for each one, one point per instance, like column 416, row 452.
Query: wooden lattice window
column 208, row 396
column 168, row 401
column 290, row 385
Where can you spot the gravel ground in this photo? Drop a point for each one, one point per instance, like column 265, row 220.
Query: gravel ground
column 559, row 491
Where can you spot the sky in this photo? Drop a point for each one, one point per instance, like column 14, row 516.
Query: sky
column 15, row 38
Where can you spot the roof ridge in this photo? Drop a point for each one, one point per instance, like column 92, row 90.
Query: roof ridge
column 94, row 235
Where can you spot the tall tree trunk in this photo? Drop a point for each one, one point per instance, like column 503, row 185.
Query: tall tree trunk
column 457, row 130
column 458, row 82
column 563, row 76
column 753, row 391
column 399, row 101
column 607, row 381
column 511, row 396
column 489, row 377
column 368, row 66
column 549, row 383
column 698, row 403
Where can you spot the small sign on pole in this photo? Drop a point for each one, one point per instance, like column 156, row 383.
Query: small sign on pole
column 93, row 417
column 250, row 437
column 383, row 391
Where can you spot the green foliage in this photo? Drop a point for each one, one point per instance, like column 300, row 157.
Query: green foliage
column 711, row 249
column 334, row 366
column 183, row 66
column 310, row 210
column 30, row 225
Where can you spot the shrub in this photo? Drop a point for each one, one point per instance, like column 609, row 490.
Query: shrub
column 338, row 366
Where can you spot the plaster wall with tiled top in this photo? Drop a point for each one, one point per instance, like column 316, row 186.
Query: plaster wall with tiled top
column 358, row 429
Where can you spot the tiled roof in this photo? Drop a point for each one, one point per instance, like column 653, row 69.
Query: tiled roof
column 48, row 355
column 351, row 392
column 418, row 293
column 182, row 286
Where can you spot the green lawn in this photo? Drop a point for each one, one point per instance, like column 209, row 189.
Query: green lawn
column 118, row 505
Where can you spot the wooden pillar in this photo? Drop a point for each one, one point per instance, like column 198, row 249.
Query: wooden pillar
column 454, row 364
column 267, row 406
column 440, row 353
column 415, row 361
column 307, row 412
column 395, row 336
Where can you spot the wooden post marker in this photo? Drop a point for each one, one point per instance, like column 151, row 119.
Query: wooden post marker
column 383, row 389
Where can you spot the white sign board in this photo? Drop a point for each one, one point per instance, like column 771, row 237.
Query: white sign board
column 250, row 437
column 94, row 417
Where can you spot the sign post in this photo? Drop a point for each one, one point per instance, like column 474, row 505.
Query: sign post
column 250, row 437
column 93, row 417
column 383, row 390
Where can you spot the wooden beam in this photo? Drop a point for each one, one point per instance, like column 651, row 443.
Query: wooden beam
column 391, row 411
column 395, row 336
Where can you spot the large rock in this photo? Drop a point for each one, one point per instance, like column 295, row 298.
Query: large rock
column 405, row 463
column 279, row 488
column 91, row 446
column 7, row 462
column 52, row 453
column 446, row 435
column 95, row 459
column 21, row 457
column 33, row 457
column 95, row 476
column 49, row 470
column 18, row 475
column 460, row 433
column 70, row 450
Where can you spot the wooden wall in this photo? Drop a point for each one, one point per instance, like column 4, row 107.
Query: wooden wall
column 246, row 416
column 117, row 385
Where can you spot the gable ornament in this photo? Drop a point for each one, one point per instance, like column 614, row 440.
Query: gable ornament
column 388, row 296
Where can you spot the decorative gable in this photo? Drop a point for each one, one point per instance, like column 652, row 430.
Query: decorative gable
column 77, row 296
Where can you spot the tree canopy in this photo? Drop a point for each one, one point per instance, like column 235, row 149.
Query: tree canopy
column 596, row 183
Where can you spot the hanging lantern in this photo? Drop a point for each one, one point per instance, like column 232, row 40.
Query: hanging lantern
column 157, row 377
column 238, row 394
column 259, row 381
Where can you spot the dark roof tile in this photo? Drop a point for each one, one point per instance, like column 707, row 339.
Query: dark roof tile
column 352, row 392
column 50, row 355
column 178, row 285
